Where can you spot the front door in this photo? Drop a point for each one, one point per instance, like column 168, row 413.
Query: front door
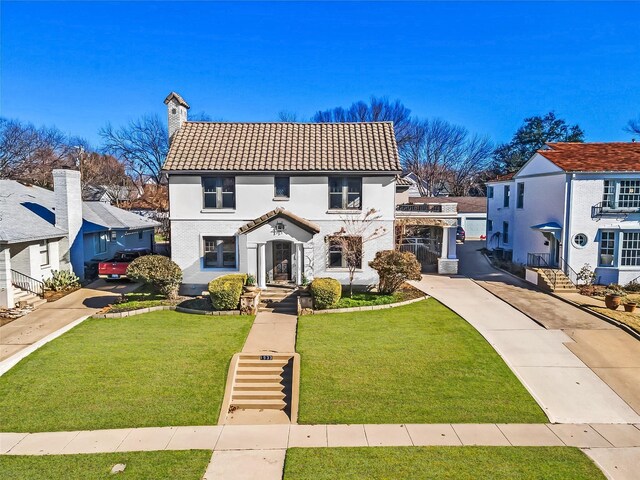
column 281, row 260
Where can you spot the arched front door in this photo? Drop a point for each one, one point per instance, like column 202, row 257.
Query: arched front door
column 281, row 260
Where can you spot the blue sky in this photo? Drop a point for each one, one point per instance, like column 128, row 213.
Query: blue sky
column 486, row 66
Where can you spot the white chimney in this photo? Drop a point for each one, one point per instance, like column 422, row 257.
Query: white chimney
column 177, row 112
column 68, row 213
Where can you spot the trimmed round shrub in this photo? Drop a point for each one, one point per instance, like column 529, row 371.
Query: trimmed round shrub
column 325, row 292
column 157, row 271
column 394, row 268
column 225, row 291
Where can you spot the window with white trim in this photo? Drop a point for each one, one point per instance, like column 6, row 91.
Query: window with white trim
column 629, row 194
column 219, row 192
column 630, row 255
column 219, row 252
column 609, row 194
column 44, row 253
column 345, row 193
column 607, row 248
column 344, row 251
column 580, row 240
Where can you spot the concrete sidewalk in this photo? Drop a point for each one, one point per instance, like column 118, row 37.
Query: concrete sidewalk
column 27, row 330
column 280, row 437
column 272, row 332
column 566, row 389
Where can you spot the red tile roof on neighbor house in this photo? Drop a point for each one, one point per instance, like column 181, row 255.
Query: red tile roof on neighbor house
column 594, row 157
column 503, row 178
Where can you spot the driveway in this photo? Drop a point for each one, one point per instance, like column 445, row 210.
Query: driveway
column 52, row 316
column 542, row 356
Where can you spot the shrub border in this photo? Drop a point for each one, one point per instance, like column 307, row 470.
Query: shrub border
column 140, row 311
column 370, row 307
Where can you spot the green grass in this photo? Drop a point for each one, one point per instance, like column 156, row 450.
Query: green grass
column 419, row 363
column 436, row 463
column 158, row 369
column 143, row 297
column 361, row 299
column 167, row 465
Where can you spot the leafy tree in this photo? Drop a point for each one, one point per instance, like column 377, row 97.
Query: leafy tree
column 379, row 109
column 531, row 136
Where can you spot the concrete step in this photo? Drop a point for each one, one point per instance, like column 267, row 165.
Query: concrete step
column 263, row 363
column 257, row 395
column 254, row 387
column 266, row 379
column 257, row 356
column 259, row 404
column 241, row 371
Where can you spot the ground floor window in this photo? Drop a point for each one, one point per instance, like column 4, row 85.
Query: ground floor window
column 607, row 248
column 345, row 252
column 505, row 232
column 630, row 249
column 100, row 243
column 219, row 252
column 44, row 253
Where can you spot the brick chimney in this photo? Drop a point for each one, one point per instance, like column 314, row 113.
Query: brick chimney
column 68, row 213
column 177, row 112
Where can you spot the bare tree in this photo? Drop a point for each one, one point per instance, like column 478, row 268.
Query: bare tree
column 107, row 173
column 633, row 126
column 441, row 154
column 287, row 116
column 379, row 109
column 143, row 144
column 356, row 231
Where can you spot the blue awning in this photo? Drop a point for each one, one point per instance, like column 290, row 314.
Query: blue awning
column 550, row 227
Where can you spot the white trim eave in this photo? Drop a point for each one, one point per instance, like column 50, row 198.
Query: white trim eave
column 366, row 173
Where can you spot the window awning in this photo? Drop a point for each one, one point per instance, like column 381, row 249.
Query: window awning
column 552, row 228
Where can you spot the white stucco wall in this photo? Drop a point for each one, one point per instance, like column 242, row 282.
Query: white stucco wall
column 25, row 258
column 254, row 197
column 498, row 214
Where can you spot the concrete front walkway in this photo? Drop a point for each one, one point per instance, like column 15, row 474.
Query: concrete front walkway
column 272, row 332
column 27, row 330
column 566, row 389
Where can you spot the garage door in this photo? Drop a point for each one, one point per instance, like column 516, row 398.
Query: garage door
column 474, row 227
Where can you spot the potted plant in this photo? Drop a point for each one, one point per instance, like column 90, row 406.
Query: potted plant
column 250, row 285
column 613, row 296
column 630, row 307
column 304, row 285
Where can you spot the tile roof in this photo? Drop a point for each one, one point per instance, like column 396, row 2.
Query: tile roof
column 403, row 182
column 503, row 178
column 276, row 213
column 465, row 204
column 594, row 157
column 178, row 99
column 27, row 213
column 293, row 147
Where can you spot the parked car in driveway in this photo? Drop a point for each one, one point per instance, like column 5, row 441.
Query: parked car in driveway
column 460, row 234
column 116, row 268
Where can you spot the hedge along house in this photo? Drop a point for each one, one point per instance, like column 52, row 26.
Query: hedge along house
column 268, row 198
column 43, row 230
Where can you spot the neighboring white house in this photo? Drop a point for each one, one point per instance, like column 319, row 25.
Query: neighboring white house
column 471, row 212
column 572, row 204
column 269, row 198
column 43, row 230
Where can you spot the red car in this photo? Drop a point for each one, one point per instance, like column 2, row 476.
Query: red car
column 116, row 268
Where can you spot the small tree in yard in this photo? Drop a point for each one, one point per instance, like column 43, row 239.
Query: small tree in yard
column 157, row 271
column 355, row 232
column 394, row 268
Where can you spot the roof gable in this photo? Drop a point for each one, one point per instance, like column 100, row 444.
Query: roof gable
column 290, row 147
column 537, row 165
column 277, row 213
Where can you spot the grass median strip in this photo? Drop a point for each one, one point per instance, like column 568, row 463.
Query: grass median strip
column 165, row 465
column 419, row 363
column 435, row 463
column 157, row 369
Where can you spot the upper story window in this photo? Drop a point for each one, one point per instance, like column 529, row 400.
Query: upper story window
column 345, row 193
column 281, row 187
column 507, row 195
column 621, row 194
column 520, row 199
column 489, row 192
column 219, row 192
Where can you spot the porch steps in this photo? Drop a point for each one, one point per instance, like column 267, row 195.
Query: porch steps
column 279, row 300
column 562, row 283
column 260, row 382
column 28, row 298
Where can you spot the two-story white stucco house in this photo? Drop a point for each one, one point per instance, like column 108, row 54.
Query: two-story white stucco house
column 268, row 199
column 571, row 204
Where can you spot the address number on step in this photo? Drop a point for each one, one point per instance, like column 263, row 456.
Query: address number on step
column 266, row 357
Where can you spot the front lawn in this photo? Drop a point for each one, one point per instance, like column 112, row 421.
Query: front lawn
column 188, row 464
column 631, row 320
column 364, row 299
column 419, row 363
column 158, row 369
column 435, row 463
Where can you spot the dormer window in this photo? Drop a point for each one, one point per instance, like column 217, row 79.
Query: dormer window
column 219, row 192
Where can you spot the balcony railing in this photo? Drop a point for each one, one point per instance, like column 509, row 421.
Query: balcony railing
column 611, row 208
column 426, row 208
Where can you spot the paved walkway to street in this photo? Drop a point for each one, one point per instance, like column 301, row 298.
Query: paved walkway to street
column 50, row 317
column 258, row 451
column 607, row 350
column 566, row 389
column 272, row 332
